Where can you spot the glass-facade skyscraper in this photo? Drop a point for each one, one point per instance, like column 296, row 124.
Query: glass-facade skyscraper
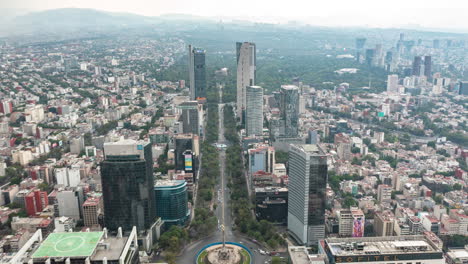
column 417, row 66
column 289, row 106
column 428, row 67
column 307, row 192
column 254, row 111
column 197, row 73
column 172, row 202
column 128, row 185
column 192, row 117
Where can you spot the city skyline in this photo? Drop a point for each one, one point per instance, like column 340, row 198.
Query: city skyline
column 176, row 140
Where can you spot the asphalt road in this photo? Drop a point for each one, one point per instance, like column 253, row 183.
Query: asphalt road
column 222, row 196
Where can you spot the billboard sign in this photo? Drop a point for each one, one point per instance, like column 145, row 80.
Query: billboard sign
column 188, row 162
column 358, row 226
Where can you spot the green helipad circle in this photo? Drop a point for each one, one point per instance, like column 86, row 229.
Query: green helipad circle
column 69, row 244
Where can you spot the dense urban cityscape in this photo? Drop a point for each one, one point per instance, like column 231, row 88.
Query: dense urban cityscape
column 231, row 142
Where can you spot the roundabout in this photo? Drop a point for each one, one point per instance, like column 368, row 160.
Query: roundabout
column 228, row 253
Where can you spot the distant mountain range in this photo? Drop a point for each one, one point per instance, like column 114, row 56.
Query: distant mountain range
column 72, row 19
column 76, row 19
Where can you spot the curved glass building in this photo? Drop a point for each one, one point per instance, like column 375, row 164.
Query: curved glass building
column 172, row 201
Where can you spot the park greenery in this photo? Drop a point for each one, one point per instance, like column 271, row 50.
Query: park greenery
column 173, row 239
column 205, row 221
column 212, row 126
column 281, row 156
column 245, row 222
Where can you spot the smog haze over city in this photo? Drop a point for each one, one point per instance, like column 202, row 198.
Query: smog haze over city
column 233, row 132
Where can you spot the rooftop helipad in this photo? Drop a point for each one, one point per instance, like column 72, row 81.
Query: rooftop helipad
column 74, row 244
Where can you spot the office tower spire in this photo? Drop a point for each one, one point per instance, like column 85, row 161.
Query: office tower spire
column 246, row 68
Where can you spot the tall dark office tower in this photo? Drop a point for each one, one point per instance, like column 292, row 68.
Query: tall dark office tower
column 307, row 192
column 191, row 117
column 128, row 185
column 463, row 88
column 289, row 106
column 370, row 53
column 417, row 66
column 246, row 73
column 436, row 43
column 388, row 61
column 183, row 147
column 449, row 43
column 197, row 73
column 360, row 42
column 428, row 67
column 402, row 36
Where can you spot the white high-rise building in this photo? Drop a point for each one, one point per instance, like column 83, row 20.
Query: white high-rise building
column 68, row 177
column 392, row 83
column 307, row 185
column 254, row 111
column 246, row 68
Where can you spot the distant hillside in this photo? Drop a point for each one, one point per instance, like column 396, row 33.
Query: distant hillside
column 76, row 22
column 73, row 18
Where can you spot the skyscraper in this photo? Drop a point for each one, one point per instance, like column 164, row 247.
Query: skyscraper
column 378, row 56
column 360, row 42
column 172, row 201
column 289, row 106
column 128, row 185
column 254, row 111
column 389, row 61
column 463, row 88
column 392, row 83
column 184, row 152
column 192, row 117
column 306, row 199
column 197, row 73
column 246, row 71
column 417, row 66
column 428, row 67
column 370, row 53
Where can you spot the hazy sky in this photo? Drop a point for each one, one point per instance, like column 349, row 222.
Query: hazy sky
column 380, row 13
